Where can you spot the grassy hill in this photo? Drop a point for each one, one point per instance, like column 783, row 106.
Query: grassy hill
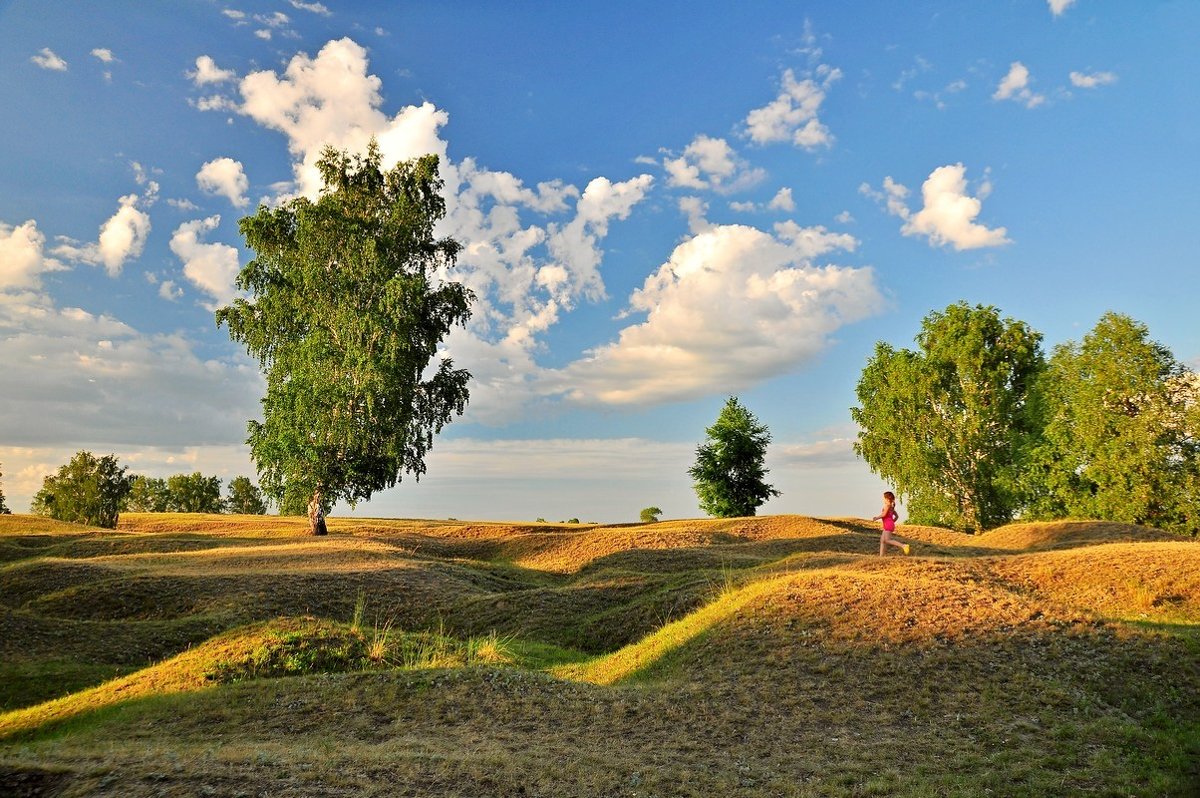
column 776, row 656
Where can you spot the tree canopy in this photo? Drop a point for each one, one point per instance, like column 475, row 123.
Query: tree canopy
column 350, row 303
column 193, row 493
column 730, row 472
column 946, row 424
column 148, row 495
column 1120, row 434
column 87, row 490
column 244, row 497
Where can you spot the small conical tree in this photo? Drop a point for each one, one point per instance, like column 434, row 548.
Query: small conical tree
column 729, row 473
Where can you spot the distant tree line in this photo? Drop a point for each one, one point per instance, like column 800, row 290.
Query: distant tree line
column 95, row 490
column 976, row 427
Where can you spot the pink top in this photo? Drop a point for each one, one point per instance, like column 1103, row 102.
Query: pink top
column 889, row 520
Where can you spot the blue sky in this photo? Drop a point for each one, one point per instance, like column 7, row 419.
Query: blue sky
column 661, row 205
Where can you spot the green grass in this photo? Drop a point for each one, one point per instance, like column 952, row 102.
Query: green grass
column 776, row 656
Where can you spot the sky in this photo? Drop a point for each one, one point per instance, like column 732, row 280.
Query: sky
column 661, row 205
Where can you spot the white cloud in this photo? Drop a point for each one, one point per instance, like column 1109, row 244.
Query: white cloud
column 817, row 454
column 104, row 54
column 264, row 34
column 316, row 8
column 331, row 99
column 525, row 274
column 22, row 257
column 782, row 201
column 182, row 204
column 121, row 238
column 696, row 211
column 731, row 307
column 1057, row 7
column 212, row 268
column 224, row 178
column 576, row 244
column 207, row 72
column 169, row 291
column 47, row 59
column 73, row 378
column 276, row 20
column 1015, row 86
column 792, row 115
column 709, row 163
column 234, row 14
column 1085, row 81
column 948, row 215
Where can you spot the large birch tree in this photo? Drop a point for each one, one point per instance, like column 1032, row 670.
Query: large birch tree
column 350, row 302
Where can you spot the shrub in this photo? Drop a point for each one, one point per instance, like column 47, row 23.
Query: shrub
column 650, row 515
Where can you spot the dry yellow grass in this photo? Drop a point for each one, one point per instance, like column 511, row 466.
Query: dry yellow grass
column 763, row 656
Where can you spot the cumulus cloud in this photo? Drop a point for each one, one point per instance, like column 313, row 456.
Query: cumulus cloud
column 121, row 238
column 530, row 252
column 207, row 72
column 792, row 115
column 575, row 245
column 710, row 163
column 23, row 259
column 211, row 267
column 1057, row 7
column 47, row 59
column 169, row 291
column 731, row 307
column 1015, row 86
column 104, row 54
column 947, row 217
column 1094, row 80
column 782, row 201
column 332, row 99
column 224, row 177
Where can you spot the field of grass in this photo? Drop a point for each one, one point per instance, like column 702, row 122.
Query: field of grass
column 183, row 655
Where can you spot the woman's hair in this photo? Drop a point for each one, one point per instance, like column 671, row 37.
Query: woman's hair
column 887, row 494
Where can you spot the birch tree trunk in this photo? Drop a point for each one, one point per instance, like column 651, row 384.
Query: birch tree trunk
column 316, row 517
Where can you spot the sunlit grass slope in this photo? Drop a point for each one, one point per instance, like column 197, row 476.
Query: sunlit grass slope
column 764, row 656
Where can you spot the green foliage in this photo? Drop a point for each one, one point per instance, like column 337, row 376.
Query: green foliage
column 349, row 307
column 650, row 515
column 1121, row 433
column 194, row 493
column 244, row 498
column 87, row 490
column 148, row 495
column 729, row 471
column 946, row 424
column 3, row 507
column 320, row 648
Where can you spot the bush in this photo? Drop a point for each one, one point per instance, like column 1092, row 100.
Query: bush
column 650, row 515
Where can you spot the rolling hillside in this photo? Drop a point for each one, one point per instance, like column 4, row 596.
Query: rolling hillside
column 219, row 655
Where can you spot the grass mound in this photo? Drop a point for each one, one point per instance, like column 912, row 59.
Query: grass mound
column 281, row 647
column 760, row 656
column 1044, row 536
